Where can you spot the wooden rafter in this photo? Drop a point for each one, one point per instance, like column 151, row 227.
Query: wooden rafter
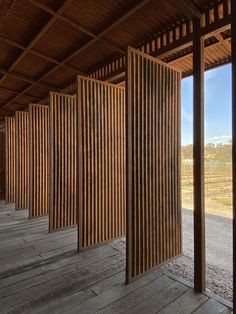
column 9, row 90
column 71, row 56
column 73, row 24
column 39, row 35
column 5, row 7
column 168, row 42
column 27, row 79
column 43, row 56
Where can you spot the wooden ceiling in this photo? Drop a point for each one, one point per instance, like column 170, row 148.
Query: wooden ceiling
column 44, row 44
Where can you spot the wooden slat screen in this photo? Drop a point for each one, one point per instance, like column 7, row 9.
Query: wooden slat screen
column 10, row 150
column 62, row 126
column 2, row 161
column 22, row 159
column 101, row 173
column 38, row 160
column 153, row 163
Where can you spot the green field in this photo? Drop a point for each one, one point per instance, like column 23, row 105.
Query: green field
column 218, row 180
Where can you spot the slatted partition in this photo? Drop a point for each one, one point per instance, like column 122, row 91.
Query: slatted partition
column 101, row 117
column 63, row 143
column 38, row 160
column 10, row 151
column 2, row 161
column 22, row 159
column 153, row 163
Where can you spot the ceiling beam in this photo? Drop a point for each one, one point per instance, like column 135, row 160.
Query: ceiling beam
column 9, row 90
column 14, row 43
column 39, row 35
column 27, row 79
column 136, row 8
column 225, row 43
column 5, row 7
column 74, row 24
column 100, row 35
column 120, row 74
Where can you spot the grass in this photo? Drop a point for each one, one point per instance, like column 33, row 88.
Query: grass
column 218, row 188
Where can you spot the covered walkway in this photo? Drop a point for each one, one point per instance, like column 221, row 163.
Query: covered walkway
column 42, row 273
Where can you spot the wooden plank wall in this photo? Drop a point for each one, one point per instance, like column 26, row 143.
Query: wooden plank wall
column 2, row 161
column 22, row 159
column 10, row 150
column 62, row 126
column 38, row 160
column 101, row 181
column 153, row 163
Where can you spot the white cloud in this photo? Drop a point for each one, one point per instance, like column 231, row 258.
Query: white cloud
column 220, row 138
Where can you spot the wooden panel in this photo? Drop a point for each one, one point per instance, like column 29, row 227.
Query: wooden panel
column 233, row 29
column 38, row 158
column 10, row 148
column 101, row 179
column 153, row 163
column 22, row 159
column 198, row 160
column 2, row 161
column 62, row 127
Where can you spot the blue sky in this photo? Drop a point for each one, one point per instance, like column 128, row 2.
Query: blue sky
column 217, row 106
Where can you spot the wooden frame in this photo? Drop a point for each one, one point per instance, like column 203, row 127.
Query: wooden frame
column 10, row 159
column 2, row 160
column 22, row 159
column 153, row 197
column 101, row 160
column 198, row 158
column 233, row 43
column 63, row 168
column 38, row 160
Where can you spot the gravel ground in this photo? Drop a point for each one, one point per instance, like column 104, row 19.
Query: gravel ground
column 219, row 281
column 218, row 246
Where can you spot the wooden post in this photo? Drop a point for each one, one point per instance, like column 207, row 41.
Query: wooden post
column 233, row 42
column 198, row 157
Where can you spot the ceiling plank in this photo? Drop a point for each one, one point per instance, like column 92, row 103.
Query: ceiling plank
column 9, row 90
column 100, row 35
column 27, row 79
column 137, row 7
column 74, row 24
column 187, row 7
column 39, row 35
column 14, row 43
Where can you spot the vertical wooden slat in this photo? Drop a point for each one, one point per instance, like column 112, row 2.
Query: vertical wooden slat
column 233, row 43
column 2, row 160
column 22, row 159
column 62, row 158
column 10, row 175
column 38, row 160
column 100, row 157
column 152, row 167
column 198, row 158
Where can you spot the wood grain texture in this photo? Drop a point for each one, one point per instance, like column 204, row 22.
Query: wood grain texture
column 153, row 163
column 101, row 160
column 38, row 160
column 22, row 159
column 2, row 161
column 10, row 150
column 63, row 170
